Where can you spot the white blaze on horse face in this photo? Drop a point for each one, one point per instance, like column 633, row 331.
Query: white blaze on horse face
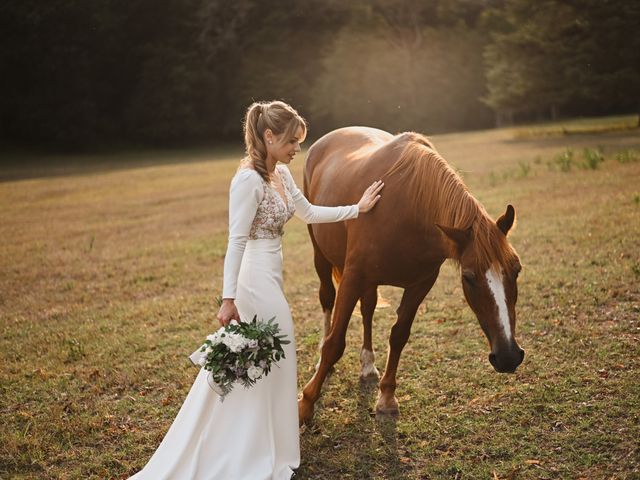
column 494, row 280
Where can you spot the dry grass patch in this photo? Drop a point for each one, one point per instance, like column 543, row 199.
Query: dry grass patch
column 108, row 281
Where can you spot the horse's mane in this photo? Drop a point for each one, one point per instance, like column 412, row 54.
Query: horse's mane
column 440, row 196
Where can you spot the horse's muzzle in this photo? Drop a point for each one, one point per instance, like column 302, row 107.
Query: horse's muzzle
column 507, row 362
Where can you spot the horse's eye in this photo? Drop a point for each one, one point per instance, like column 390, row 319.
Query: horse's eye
column 516, row 272
column 469, row 277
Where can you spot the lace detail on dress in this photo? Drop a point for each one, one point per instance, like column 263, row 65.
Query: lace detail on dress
column 272, row 213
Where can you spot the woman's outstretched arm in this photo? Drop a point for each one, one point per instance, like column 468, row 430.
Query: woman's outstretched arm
column 310, row 213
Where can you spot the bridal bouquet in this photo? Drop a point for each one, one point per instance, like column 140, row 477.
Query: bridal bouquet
column 240, row 352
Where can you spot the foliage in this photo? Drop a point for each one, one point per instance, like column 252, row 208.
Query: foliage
column 374, row 78
column 95, row 73
column 524, row 169
column 550, row 55
column 563, row 161
column 592, row 158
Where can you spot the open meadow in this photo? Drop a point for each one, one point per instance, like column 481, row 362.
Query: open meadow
column 110, row 265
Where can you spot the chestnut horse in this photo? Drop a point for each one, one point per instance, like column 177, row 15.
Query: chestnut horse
column 425, row 216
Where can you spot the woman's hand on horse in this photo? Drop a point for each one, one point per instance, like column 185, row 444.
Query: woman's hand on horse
column 370, row 196
column 228, row 312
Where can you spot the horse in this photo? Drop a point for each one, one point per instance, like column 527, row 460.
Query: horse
column 426, row 215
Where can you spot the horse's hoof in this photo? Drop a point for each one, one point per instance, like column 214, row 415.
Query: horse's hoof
column 370, row 377
column 387, row 408
column 305, row 412
column 388, row 412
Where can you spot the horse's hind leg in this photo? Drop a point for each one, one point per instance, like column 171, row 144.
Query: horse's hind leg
column 387, row 402
column 368, row 301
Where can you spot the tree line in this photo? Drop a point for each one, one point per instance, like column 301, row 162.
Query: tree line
column 80, row 74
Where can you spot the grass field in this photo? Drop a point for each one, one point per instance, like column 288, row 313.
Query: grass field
column 108, row 275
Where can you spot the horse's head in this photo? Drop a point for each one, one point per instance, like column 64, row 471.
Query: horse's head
column 490, row 287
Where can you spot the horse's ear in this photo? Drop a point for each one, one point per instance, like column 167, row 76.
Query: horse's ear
column 506, row 221
column 458, row 238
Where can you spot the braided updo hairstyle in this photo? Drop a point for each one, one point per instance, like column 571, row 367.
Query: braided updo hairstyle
column 277, row 116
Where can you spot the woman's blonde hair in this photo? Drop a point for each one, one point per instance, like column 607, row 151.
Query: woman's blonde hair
column 277, row 116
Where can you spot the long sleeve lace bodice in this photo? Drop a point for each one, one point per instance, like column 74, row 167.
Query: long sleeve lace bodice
column 256, row 210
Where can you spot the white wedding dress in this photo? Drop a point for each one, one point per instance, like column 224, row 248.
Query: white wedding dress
column 253, row 434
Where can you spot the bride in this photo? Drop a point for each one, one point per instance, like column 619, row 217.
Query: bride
column 253, row 435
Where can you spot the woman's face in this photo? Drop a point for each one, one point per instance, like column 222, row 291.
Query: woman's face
column 283, row 149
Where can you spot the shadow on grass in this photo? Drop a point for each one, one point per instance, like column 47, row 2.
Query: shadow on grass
column 387, row 427
column 373, row 453
column 24, row 165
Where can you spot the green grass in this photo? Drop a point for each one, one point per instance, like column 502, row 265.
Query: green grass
column 580, row 126
column 109, row 278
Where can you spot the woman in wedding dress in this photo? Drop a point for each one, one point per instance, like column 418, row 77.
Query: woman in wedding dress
column 254, row 434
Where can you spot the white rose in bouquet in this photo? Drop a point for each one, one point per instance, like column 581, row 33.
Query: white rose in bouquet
column 214, row 338
column 254, row 372
column 234, row 342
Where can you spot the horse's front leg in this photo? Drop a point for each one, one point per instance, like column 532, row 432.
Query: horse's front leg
column 327, row 292
column 368, row 301
column 333, row 345
column 387, row 402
